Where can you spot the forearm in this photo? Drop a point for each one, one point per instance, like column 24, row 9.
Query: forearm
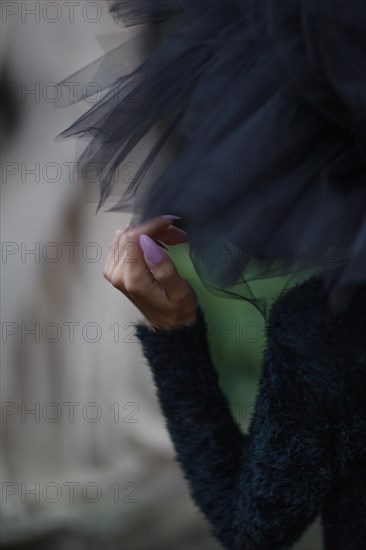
column 208, row 442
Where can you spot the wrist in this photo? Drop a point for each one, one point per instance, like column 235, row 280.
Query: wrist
column 186, row 321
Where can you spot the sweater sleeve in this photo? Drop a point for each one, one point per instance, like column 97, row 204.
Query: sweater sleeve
column 258, row 490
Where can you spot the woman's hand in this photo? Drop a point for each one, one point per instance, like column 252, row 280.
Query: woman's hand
column 144, row 272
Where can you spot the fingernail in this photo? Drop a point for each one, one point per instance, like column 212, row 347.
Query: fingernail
column 152, row 251
column 171, row 217
column 184, row 233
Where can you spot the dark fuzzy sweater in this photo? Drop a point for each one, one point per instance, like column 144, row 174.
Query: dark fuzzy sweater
column 305, row 452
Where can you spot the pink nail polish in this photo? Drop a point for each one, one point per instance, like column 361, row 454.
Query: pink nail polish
column 151, row 250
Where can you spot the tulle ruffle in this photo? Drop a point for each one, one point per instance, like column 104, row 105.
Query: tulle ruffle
column 249, row 122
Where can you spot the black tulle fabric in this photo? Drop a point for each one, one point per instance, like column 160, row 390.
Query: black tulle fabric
column 249, row 122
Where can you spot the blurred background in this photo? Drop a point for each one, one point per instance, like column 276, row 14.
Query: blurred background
column 86, row 461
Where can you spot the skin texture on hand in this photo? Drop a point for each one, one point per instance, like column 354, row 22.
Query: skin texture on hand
column 142, row 270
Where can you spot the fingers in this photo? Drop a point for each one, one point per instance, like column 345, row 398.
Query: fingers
column 172, row 235
column 126, row 266
column 163, row 269
column 160, row 229
column 130, row 273
column 150, row 227
column 124, row 248
column 113, row 252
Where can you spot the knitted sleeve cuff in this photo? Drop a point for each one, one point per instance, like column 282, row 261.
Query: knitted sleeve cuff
column 179, row 353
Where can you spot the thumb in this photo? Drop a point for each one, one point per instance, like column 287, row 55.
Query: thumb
column 161, row 266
